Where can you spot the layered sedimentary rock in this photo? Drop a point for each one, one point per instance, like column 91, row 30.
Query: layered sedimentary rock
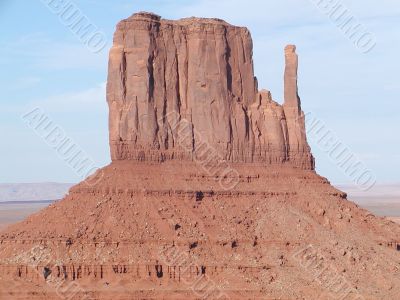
column 211, row 193
column 199, row 70
column 168, row 231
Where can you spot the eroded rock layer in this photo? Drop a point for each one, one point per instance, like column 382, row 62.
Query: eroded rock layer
column 172, row 83
column 146, row 230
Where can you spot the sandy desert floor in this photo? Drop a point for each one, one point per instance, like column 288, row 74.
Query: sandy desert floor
column 382, row 199
column 389, row 208
column 14, row 212
column 383, row 206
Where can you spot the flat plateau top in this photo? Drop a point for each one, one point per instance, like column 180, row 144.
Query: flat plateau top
column 147, row 16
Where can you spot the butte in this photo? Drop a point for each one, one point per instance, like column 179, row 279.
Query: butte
column 211, row 193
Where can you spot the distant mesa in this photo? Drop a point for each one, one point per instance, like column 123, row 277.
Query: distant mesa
column 25, row 192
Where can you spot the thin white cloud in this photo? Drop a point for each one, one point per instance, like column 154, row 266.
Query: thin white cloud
column 392, row 87
column 40, row 52
column 245, row 12
column 25, row 83
column 372, row 8
column 272, row 14
column 61, row 56
column 369, row 156
column 92, row 99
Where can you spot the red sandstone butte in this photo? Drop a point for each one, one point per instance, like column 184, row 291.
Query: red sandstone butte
column 211, row 193
column 200, row 70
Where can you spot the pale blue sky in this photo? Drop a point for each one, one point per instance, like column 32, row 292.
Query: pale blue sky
column 44, row 64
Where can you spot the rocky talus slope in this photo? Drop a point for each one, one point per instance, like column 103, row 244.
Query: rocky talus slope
column 211, row 193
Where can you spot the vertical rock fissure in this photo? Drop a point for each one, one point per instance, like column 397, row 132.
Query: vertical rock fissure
column 123, row 77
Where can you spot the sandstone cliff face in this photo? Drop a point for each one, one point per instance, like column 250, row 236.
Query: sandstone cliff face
column 297, row 140
column 201, row 71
